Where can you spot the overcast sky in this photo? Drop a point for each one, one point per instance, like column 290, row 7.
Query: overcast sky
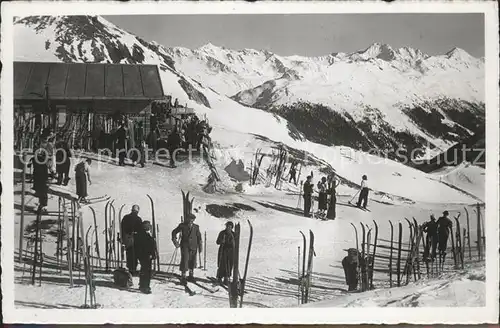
column 312, row 35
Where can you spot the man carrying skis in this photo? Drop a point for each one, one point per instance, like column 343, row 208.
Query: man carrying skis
column 307, row 194
column 444, row 225
column 131, row 225
column 226, row 252
column 363, row 195
column 190, row 244
column 430, row 228
column 350, row 265
column 146, row 252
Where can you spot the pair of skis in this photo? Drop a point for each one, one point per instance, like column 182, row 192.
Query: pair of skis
column 366, row 261
column 237, row 285
column 155, row 233
column 306, row 277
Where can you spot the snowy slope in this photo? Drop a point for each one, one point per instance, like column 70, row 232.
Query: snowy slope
column 273, row 266
column 465, row 177
column 465, row 288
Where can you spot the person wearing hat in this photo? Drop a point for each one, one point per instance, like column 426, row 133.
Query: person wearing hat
column 225, row 240
column 190, row 243
column 444, row 225
column 146, row 252
column 363, row 195
column 350, row 265
column 430, row 228
column 307, row 194
column 131, row 225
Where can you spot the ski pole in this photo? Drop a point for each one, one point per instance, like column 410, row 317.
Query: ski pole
column 354, row 196
column 298, row 273
column 205, row 253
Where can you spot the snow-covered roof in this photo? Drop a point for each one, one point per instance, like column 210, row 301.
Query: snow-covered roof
column 104, row 86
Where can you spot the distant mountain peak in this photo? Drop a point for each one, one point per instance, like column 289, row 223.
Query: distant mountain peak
column 458, row 53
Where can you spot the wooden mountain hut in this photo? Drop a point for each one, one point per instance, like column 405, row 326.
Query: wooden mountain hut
column 81, row 102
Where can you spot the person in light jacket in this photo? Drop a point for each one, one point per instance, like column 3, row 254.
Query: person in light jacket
column 190, row 243
column 363, row 195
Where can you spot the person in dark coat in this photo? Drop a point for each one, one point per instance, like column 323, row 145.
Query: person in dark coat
column 63, row 162
column 146, row 252
column 41, row 178
column 130, row 226
column 121, row 142
column 293, row 173
column 444, row 225
column 82, row 174
column 350, row 265
column 307, row 190
column 173, row 143
column 225, row 240
column 190, row 243
column 431, row 238
column 332, row 192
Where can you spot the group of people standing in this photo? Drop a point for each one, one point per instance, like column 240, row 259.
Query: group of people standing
column 52, row 160
column 327, row 196
column 140, row 248
column 437, row 233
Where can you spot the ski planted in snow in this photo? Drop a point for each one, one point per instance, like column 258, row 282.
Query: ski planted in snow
column 390, row 254
column 233, row 286
column 372, row 263
column 96, row 236
column 398, row 264
column 458, row 242
column 357, row 252
column 243, row 281
column 156, row 264
column 303, row 275
column 309, row 266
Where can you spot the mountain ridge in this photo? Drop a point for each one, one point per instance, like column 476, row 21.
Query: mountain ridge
column 381, row 92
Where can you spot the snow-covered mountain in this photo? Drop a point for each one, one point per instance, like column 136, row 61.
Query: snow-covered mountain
column 378, row 97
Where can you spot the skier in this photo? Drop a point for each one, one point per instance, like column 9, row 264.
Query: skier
column 332, row 191
column 146, row 252
column 131, row 225
column 322, row 196
column 350, row 265
column 307, row 194
column 63, row 162
column 40, row 179
column 430, row 228
column 226, row 251
column 190, row 243
column 363, row 195
column 444, row 225
column 82, row 174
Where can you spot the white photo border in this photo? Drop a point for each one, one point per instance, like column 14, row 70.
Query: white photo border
column 448, row 315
